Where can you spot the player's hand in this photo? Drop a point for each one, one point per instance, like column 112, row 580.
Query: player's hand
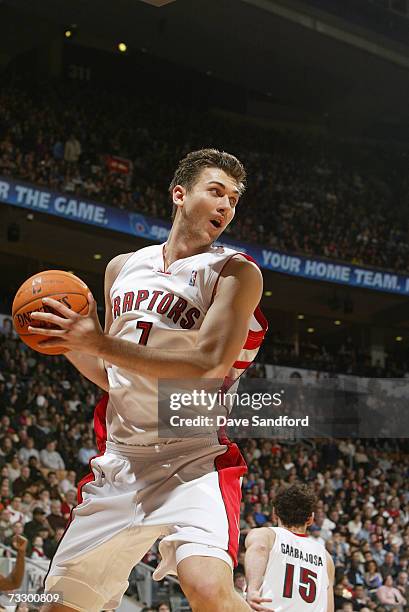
column 255, row 601
column 20, row 543
column 75, row 332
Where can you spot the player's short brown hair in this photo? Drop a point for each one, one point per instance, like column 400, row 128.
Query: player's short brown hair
column 295, row 505
column 190, row 167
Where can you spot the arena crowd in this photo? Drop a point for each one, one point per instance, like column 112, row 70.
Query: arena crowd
column 362, row 516
column 305, row 194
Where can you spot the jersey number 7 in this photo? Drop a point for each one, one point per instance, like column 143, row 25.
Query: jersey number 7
column 307, row 587
column 146, row 327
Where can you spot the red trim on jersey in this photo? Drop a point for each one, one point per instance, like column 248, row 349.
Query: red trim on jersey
column 230, row 468
column 255, row 338
column 100, row 429
column 241, row 365
column 101, row 437
column 300, row 535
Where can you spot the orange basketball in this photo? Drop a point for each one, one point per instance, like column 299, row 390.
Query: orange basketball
column 61, row 286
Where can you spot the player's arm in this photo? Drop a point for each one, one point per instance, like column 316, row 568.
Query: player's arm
column 92, row 366
column 15, row 578
column 259, row 543
column 331, row 578
column 220, row 339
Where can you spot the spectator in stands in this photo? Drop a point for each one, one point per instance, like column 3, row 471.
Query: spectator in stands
column 361, row 598
column 28, row 451
column 51, row 543
column 14, row 468
column 53, row 485
column 55, row 518
column 355, row 573
column 44, row 501
column 69, row 482
column 72, row 149
column 240, row 583
column 50, row 458
column 21, row 484
column 37, row 551
column 373, row 578
column 69, row 502
column 388, row 595
column 87, row 451
column 402, row 584
column 389, row 566
column 38, row 522
column 36, row 475
column 16, row 513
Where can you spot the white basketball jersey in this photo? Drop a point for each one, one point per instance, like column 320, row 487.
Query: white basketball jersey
column 296, row 577
column 163, row 310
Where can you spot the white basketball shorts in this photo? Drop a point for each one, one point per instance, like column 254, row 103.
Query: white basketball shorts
column 187, row 493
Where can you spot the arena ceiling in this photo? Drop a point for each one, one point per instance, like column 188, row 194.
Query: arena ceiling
column 243, row 42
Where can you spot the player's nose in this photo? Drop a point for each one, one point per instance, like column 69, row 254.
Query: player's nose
column 223, row 204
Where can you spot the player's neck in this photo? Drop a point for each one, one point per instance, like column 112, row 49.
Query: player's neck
column 296, row 530
column 181, row 244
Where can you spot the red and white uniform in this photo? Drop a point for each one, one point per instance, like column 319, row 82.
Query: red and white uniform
column 163, row 310
column 186, row 492
column 296, row 577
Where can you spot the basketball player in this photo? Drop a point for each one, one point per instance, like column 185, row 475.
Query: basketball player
column 183, row 309
column 285, row 569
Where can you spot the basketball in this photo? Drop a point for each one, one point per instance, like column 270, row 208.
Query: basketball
column 62, row 286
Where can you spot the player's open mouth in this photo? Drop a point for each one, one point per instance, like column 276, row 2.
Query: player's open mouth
column 216, row 223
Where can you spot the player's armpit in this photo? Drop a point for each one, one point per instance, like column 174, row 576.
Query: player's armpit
column 225, row 327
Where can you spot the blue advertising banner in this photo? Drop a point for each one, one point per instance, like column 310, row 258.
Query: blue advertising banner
column 28, row 196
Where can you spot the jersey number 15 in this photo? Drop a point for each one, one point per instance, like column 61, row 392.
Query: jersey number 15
column 308, row 583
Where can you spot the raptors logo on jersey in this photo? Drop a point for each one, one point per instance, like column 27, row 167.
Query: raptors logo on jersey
column 163, row 310
column 296, row 578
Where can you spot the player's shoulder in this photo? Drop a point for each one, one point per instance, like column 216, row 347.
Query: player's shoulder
column 244, row 270
column 117, row 263
column 114, row 267
column 262, row 536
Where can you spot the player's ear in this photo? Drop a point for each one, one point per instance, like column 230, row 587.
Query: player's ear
column 178, row 195
column 310, row 520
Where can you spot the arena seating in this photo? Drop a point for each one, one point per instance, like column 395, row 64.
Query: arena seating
column 305, row 194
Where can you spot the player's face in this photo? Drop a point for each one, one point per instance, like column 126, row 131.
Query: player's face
column 209, row 206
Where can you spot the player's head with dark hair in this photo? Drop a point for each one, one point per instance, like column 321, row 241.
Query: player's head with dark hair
column 295, row 505
column 190, row 170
